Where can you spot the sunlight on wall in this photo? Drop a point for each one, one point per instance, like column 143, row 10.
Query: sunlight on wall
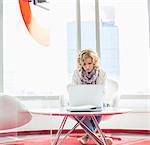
column 30, row 68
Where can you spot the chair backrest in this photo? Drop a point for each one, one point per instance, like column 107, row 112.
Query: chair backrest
column 13, row 114
column 112, row 96
column 112, row 88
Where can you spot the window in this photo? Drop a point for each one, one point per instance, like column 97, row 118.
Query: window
column 123, row 39
column 32, row 69
column 132, row 20
column 109, row 37
column 109, row 46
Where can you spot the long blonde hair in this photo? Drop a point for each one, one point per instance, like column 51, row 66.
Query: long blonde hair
column 86, row 53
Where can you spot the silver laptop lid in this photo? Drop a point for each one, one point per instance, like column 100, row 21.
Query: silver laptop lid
column 86, row 95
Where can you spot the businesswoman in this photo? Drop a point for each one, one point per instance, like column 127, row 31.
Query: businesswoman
column 89, row 71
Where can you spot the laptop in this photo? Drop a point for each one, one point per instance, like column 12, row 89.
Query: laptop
column 85, row 97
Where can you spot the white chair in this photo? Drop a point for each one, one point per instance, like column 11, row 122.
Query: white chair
column 112, row 95
column 12, row 113
column 112, row 98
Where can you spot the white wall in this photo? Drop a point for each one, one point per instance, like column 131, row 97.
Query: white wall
column 131, row 121
column 31, row 68
column 137, row 119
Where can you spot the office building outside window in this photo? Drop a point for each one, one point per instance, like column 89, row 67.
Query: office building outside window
column 109, row 41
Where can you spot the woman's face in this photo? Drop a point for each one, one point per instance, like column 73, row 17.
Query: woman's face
column 87, row 64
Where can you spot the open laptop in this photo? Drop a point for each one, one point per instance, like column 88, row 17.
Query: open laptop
column 85, row 97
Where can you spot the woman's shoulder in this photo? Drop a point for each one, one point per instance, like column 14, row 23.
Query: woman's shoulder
column 102, row 72
column 102, row 77
column 76, row 77
column 77, row 71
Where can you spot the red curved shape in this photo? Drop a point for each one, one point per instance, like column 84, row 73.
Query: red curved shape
column 40, row 34
column 26, row 12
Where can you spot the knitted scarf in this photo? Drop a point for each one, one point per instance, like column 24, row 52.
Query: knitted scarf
column 89, row 77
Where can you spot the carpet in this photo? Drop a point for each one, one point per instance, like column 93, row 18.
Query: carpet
column 73, row 141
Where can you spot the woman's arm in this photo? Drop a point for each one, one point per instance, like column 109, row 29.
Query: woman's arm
column 102, row 78
column 76, row 78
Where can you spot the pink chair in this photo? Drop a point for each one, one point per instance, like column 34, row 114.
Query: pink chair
column 12, row 113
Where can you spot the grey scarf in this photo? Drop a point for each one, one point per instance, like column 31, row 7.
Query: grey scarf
column 90, row 77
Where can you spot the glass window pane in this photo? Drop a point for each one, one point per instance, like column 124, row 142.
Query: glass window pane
column 88, row 39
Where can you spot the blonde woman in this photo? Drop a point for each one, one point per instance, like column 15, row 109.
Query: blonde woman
column 89, row 71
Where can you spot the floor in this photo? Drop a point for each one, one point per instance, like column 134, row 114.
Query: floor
column 13, row 138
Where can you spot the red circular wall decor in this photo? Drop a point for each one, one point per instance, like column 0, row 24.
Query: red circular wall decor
column 39, row 33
